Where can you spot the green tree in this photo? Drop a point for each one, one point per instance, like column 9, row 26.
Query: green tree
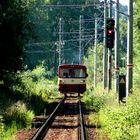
column 89, row 62
column 13, row 27
column 136, row 44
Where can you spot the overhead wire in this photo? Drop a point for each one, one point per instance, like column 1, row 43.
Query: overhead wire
column 55, row 43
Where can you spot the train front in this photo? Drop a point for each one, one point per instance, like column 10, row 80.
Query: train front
column 72, row 78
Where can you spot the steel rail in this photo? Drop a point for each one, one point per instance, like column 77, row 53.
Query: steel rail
column 82, row 125
column 39, row 135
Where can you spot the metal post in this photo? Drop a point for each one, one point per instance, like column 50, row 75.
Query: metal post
column 80, row 38
column 116, row 50
column 81, row 49
column 109, row 80
column 95, row 55
column 105, row 48
column 61, row 41
column 129, row 83
column 110, row 9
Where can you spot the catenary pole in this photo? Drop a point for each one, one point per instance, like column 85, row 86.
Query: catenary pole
column 80, row 38
column 116, row 48
column 81, row 49
column 110, row 9
column 95, row 54
column 129, row 81
column 61, row 40
column 105, row 48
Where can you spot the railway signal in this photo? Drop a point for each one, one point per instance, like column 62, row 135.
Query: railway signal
column 110, row 33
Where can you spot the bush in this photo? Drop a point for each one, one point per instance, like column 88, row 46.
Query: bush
column 97, row 98
column 34, row 88
column 18, row 113
column 1, row 127
column 94, row 119
column 34, row 83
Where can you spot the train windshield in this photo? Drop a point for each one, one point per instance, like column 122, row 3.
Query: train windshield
column 72, row 72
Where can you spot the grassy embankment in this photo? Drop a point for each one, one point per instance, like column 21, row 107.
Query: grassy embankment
column 22, row 97
column 117, row 121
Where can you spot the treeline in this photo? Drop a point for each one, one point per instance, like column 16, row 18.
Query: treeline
column 44, row 44
column 29, row 32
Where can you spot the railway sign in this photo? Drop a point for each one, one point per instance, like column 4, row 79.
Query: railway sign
column 122, row 88
column 122, row 80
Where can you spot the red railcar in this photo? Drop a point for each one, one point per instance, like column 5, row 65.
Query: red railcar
column 72, row 78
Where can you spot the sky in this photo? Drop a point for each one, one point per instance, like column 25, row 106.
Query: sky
column 123, row 2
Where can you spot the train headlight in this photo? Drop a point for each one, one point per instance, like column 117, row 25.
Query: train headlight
column 62, row 81
column 82, row 81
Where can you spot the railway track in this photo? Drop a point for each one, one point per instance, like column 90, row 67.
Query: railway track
column 82, row 124
column 68, row 117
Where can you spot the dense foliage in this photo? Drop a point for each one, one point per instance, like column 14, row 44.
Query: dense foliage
column 89, row 62
column 136, row 45
column 28, row 94
column 13, row 25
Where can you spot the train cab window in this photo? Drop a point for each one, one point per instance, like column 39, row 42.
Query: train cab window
column 79, row 73
column 82, row 73
column 65, row 74
column 72, row 73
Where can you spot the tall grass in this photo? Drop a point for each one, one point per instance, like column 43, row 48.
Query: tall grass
column 122, row 122
column 19, row 114
column 97, row 98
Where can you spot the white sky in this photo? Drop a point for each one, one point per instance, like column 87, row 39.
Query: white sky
column 124, row 2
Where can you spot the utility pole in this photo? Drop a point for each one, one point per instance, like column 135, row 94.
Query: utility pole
column 129, row 82
column 110, row 9
column 116, row 48
column 105, row 48
column 95, row 54
column 61, row 40
column 81, row 47
column 109, row 80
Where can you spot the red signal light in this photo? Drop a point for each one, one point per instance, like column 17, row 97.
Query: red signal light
column 110, row 31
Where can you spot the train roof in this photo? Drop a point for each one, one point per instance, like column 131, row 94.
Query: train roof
column 72, row 66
